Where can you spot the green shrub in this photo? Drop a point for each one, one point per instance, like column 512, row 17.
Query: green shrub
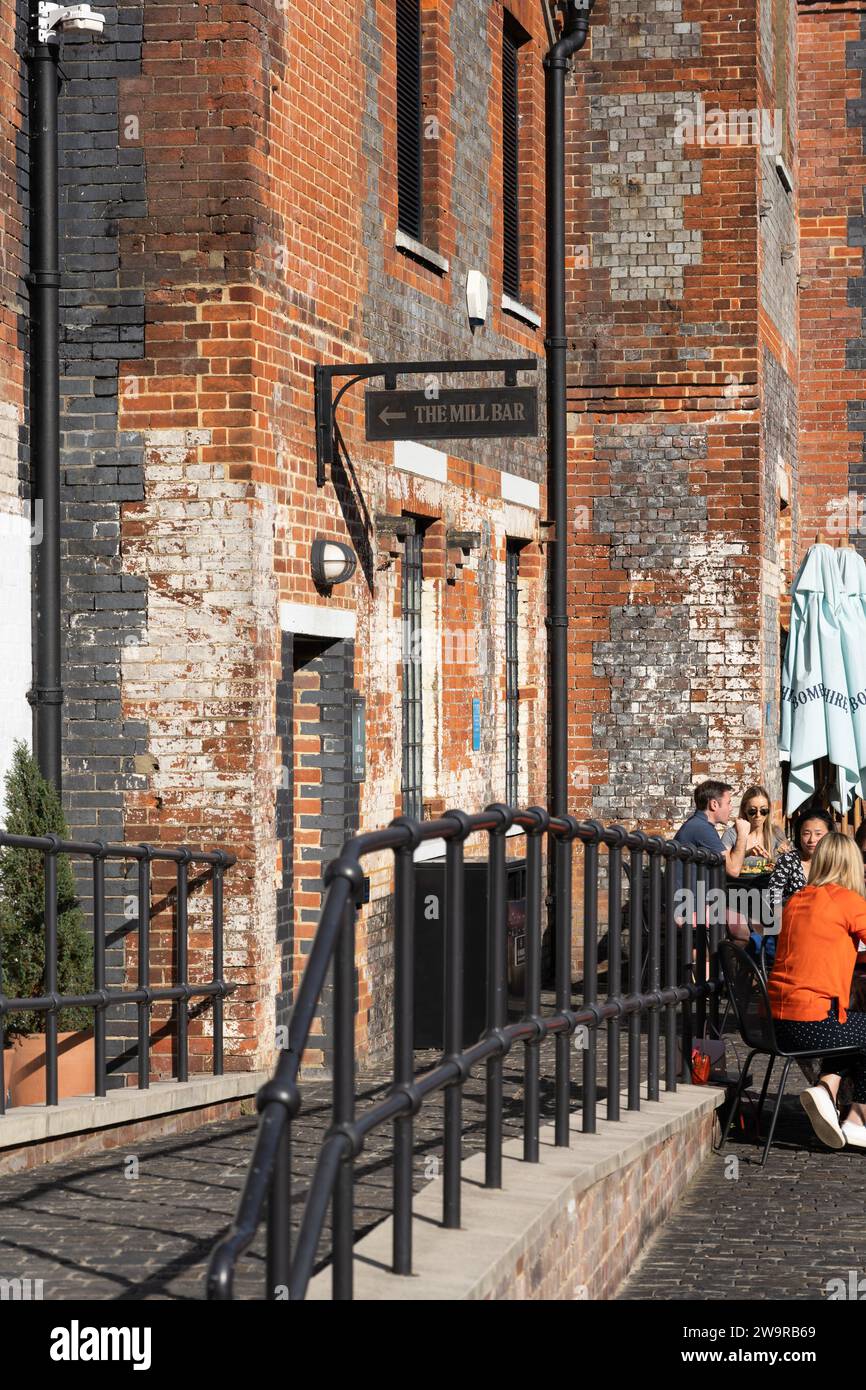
column 33, row 808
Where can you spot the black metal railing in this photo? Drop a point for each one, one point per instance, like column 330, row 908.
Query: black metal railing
column 103, row 997
column 680, row 946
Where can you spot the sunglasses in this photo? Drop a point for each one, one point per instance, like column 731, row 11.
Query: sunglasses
column 757, row 811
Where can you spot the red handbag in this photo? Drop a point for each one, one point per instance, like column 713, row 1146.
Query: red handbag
column 700, row 1067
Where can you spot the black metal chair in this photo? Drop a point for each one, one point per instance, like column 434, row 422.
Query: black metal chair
column 761, row 961
column 747, row 991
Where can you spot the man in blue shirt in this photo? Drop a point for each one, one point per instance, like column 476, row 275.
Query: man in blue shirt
column 712, row 808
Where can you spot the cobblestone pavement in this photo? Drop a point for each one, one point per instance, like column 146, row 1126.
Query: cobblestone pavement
column 742, row 1232
column 90, row 1231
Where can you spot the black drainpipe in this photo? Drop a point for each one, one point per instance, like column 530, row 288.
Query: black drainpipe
column 556, row 63
column 46, row 696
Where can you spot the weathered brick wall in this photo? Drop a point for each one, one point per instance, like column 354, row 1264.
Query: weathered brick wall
column 830, row 75
column 242, row 216
column 676, row 419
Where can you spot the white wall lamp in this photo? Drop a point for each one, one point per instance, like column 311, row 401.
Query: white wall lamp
column 331, row 562
column 476, row 298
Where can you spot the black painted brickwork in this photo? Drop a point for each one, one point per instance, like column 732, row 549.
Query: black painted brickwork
column 102, row 324
column 338, row 815
column 285, row 833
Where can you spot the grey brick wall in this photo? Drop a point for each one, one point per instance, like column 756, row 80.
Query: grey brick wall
column 779, row 426
column 653, row 29
column 645, row 179
column 652, row 659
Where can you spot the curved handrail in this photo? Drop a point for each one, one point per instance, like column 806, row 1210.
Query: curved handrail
column 280, row 1100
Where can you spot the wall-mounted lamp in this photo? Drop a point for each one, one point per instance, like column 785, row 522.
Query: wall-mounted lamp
column 476, row 298
column 331, row 562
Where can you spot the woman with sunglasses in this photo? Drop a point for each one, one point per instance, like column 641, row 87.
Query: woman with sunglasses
column 789, row 875
column 764, row 844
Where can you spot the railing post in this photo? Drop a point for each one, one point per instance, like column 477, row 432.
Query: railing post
column 182, row 920
column 689, row 882
column 635, row 949
column 614, row 969
column 144, row 968
column 404, row 1008
column 717, row 919
column 218, row 999
column 701, row 946
column 590, row 978
column 531, row 1058
column 563, row 867
column 99, row 1021
column 279, row 1248
column 497, row 999
column 670, row 972
column 654, row 971
column 51, row 1017
column 344, row 1101
column 453, row 1029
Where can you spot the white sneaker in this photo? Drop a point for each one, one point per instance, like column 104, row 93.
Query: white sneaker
column 855, row 1135
column 819, row 1106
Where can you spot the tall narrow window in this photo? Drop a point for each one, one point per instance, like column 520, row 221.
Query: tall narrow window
column 512, row 673
column 510, row 162
column 409, row 184
column 412, row 720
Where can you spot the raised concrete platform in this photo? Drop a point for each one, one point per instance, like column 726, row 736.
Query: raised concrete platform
column 33, row 1134
column 570, row 1226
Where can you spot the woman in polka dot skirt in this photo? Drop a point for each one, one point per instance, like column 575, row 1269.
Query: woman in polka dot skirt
column 810, row 984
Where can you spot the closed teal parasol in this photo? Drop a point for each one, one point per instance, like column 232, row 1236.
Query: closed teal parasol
column 816, row 708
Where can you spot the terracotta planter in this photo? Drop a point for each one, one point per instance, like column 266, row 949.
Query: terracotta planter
column 25, row 1067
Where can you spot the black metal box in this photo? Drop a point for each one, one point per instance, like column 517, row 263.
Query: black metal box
column 430, row 947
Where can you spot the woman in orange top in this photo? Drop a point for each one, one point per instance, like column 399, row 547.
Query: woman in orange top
column 810, row 984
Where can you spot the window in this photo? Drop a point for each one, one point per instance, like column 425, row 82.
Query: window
column 513, row 37
column 512, row 676
column 510, row 164
column 412, row 719
column 409, row 132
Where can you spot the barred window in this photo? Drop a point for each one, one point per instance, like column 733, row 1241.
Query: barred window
column 409, row 117
column 512, row 675
column 412, row 711
column 510, row 162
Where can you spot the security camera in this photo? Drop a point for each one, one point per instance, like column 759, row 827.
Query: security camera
column 66, row 18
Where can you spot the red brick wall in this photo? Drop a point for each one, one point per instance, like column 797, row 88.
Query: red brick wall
column 832, row 176
column 270, row 154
